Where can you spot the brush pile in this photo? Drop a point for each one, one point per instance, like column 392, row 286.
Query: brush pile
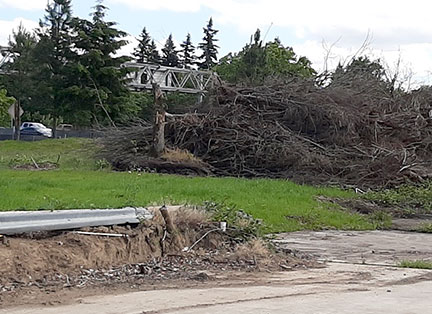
column 332, row 135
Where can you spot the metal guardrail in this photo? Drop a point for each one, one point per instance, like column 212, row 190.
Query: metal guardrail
column 32, row 221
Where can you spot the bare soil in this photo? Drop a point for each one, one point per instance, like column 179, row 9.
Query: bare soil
column 359, row 277
column 48, row 268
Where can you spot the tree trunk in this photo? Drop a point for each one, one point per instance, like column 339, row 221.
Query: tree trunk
column 158, row 146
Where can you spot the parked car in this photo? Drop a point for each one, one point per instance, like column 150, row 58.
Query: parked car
column 65, row 127
column 35, row 128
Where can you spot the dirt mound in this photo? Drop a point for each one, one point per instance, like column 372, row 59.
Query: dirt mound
column 300, row 131
column 153, row 250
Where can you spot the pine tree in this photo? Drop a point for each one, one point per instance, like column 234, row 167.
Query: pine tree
column 187, row 53
column 53, row 54
column 99, row 90
column 154, row 56
column 208, row 46
column 170, row 57
column 142, row 53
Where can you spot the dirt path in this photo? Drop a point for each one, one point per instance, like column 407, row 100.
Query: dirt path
column 346, row 285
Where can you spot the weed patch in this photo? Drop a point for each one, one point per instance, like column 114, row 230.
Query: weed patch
column 420, row 264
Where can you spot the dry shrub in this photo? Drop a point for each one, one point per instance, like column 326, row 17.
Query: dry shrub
column 254, row 248
column 179, row 155
column 191, row 217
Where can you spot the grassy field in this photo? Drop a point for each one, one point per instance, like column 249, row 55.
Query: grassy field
column 73, row 153
column 281, row 204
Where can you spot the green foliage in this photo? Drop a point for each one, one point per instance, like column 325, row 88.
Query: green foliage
column 255, row 63
column 76, row 184
column 208, row 58
column 73, row 153
column 5, row 103
column 363, row 74
column 19, row 81
column 380, row 220
column 175, row 103
column 170, row 54
column 142, row 53
column 420, row 264
column 244, row 223
column 154, row 56
column 425, row 227
column 97, row 86
column 52, row 54
column 411, row 198
column 146, row 51
column 187, row 53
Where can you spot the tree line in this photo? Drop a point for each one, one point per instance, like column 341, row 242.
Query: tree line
column 69, row 68
column 186, row 57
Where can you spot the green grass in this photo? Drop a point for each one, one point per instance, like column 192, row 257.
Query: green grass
column 73, row 153
column 421, row 264
column 281, row 204
column 412, row 199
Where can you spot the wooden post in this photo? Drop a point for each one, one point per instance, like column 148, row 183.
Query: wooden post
column 158, row 146
column 176, row 241
column 17, row 121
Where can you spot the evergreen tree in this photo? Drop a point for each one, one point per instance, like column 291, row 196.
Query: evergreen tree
column 154, row 56
column 99, row 89
column 187, row 53
column 53, row 54
column 142, row 53
column 209, row 48
column 170, row 56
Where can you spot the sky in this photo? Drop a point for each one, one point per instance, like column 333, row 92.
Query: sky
column 327, row 32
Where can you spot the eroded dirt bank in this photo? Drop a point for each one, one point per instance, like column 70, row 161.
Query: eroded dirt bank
column 52, row 268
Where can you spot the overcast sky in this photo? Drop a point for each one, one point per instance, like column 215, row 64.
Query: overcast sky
column 395, row 29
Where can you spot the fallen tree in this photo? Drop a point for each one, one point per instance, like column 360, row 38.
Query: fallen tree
column 334, row 135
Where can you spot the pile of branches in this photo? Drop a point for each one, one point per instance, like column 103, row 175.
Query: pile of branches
column 296, row 130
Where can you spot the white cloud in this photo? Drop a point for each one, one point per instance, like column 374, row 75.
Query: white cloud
column 391, row 21
column 172, row 5
column 6, row 28
column 24, row 4
column 397, row 28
